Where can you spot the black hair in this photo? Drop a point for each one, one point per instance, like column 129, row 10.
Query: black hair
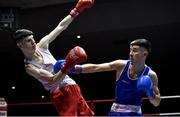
column 21, row 33
column 142, row 43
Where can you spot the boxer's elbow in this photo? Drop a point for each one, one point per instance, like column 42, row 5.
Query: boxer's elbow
column 156, row 101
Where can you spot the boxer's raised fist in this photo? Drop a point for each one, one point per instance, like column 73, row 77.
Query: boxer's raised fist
column 80, row 6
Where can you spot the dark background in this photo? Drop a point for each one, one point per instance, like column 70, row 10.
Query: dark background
column 106, row 30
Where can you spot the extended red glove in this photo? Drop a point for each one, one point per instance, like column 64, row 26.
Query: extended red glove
column 75, row 56
column 80, row 6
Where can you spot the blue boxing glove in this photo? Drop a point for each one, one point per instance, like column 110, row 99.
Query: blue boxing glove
column 145, row 83
column 58, row 65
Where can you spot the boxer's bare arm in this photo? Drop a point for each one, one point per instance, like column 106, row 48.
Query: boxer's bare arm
column 156, row 101
column 80, row 6
column 44, row 42
column 116, row 65
column 43, row 74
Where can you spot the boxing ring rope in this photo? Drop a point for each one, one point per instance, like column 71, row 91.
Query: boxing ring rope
column 105, row 100
column 162, row 114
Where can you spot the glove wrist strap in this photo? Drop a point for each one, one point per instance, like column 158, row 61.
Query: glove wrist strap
column 74, row 13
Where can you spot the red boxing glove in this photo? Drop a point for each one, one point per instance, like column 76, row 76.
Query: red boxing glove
column 80, row 6
column 75, row 56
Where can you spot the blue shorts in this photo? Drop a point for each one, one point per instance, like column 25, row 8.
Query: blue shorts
column 123, row 114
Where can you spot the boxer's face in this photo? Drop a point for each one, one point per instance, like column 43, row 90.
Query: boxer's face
column 27, row 44
column 137, row 53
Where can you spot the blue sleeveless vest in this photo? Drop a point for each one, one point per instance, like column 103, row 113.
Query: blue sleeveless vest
column 126, row 88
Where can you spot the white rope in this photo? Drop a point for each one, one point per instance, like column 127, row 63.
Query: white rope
column 162, row 114
column 167, row 97
column 106, row 100
column 178, row 113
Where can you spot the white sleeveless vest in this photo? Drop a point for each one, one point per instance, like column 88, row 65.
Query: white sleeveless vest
column 48, row 64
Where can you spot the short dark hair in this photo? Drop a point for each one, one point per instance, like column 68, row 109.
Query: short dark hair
column 21, row 33
column 142, row 43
